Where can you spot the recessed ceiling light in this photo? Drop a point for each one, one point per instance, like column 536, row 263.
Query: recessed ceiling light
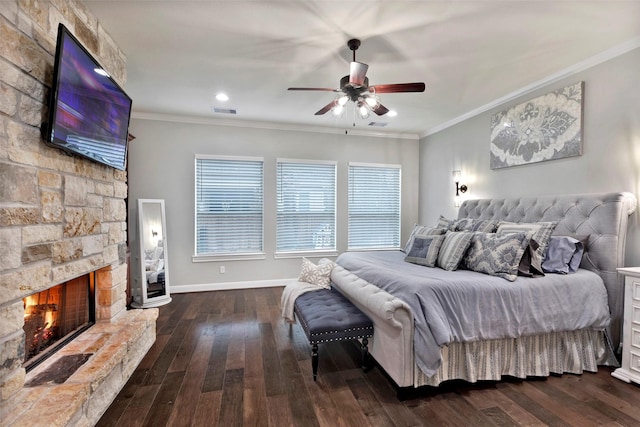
column 392, row 113
column 222, row 97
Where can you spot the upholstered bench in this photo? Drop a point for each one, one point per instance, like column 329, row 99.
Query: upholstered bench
column 326, row 315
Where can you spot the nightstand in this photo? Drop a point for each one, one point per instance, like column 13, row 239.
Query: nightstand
column 630, row 369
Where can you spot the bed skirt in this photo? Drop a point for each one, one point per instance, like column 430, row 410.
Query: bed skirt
column 531, row 356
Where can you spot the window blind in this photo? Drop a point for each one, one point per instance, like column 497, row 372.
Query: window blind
column 306, row 207
column 229, row 206
column 374, row 206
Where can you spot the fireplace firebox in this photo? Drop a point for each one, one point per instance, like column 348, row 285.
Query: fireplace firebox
column 55, row 316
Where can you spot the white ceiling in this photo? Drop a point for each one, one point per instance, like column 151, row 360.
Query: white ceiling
column 469, row 53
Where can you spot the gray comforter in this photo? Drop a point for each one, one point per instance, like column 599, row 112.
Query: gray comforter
column 464, row 306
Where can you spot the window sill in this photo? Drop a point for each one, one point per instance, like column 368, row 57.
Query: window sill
column 230, row 257
column 313, row 254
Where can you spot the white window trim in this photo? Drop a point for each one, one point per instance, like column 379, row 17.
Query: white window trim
column 376, row 165
column 321, row 252
column 223, row 257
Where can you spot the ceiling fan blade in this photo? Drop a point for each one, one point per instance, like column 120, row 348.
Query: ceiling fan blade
column 326, row 108
column 357, row 73
column 397, row 88
column 326, row 89
column 381, row 110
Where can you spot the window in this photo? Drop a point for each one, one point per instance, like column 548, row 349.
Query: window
column 306, row 217
column 229, row 205
column 374, row 206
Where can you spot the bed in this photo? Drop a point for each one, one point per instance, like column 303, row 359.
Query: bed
column 425, row 334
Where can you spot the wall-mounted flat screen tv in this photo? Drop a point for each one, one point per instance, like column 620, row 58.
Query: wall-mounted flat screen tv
column 88, row 111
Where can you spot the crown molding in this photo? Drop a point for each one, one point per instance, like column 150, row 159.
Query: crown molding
column 269, row 125
column 592, row 61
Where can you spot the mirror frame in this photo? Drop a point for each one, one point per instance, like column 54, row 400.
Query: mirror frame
column 142, row 299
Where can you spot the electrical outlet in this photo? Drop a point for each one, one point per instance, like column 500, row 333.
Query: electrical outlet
column 222, row 269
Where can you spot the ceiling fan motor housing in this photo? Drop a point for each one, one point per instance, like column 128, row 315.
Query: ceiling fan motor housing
column 351, row 90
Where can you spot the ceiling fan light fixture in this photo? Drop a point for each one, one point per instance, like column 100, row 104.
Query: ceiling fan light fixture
column 363, row 110
column 342, row 100
column 338, row 110
column 372, row 101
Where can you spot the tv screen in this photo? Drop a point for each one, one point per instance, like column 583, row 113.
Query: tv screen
column 88, row 112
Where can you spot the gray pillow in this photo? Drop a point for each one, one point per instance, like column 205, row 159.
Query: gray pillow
column 496, row 255
column 424, row 250
column 447, row 224
column 453, row 249
column 468, row 224
column 541, row 234
column 564, row 254
column 530, row 266
column 421, row 230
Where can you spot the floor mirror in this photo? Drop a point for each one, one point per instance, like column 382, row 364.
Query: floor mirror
column 152, row 289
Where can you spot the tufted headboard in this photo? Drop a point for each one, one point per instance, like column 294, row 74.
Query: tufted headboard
column 603, row 217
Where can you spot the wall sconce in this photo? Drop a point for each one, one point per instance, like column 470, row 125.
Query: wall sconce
column 154, row 233
column 459, row 188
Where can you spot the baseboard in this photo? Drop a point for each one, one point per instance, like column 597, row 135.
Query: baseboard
column 206, row 287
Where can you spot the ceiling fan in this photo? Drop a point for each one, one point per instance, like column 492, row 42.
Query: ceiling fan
column 355, row 87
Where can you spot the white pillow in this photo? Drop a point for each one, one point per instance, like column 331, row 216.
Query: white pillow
column 319, row 275
column 151, row 265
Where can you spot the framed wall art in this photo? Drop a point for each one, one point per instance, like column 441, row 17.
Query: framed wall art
column 548, row 127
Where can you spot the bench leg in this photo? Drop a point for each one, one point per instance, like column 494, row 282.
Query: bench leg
column 365, row 353
column 314, row 360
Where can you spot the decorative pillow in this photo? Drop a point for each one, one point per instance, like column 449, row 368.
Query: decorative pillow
column 421, row 230
column 447, row 224
column 424, row 250
column 319, row 275
column 468, row 224
column 496, row 255
column 541, row 234
column 481, row 225
column 148, row 254
column 453, row 249
column 151, row 265
column 530, row 265
column 563, row 255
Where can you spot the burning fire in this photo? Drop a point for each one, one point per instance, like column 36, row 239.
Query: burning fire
column 39, row 321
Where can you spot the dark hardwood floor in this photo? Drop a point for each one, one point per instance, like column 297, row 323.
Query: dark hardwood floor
column 227, row 358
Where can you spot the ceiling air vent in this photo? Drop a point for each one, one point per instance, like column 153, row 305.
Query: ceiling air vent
column 378, row 124
column 224, row 110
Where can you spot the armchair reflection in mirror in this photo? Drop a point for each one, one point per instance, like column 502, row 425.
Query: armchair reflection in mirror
column 153, row 280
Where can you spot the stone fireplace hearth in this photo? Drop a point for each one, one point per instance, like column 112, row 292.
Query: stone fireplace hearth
column 60, row 217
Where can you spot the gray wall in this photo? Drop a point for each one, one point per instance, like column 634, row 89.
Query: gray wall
column 161, row 165
column 610, row 159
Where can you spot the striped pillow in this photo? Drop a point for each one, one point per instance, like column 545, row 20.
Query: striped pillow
column 541, row 234
column 424, row 250
column 453, row 249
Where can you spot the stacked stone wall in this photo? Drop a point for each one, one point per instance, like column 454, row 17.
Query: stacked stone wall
column 60, row 216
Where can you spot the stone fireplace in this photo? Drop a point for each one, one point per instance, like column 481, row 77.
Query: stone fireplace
column 61, row 217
